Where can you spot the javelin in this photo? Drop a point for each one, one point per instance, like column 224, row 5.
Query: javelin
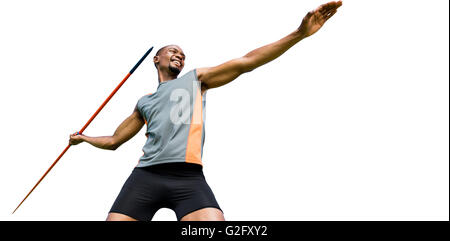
column 89, row 122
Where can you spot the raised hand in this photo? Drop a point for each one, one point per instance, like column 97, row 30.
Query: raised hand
column 315, row 19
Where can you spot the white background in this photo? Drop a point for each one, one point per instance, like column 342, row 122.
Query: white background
column 350, row 124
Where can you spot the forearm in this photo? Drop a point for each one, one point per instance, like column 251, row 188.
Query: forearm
column 127, row 129
column 267, row 53
column 103, row 142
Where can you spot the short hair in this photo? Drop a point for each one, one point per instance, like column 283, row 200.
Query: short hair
column 160, row 50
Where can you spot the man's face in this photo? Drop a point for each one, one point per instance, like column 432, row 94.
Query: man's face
column 171, row 59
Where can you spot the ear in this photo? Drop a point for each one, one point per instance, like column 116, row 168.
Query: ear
column 156, row 59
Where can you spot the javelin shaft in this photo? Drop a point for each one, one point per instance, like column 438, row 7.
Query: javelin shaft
column 45, row 174
column 87, row 123
column 115, row 90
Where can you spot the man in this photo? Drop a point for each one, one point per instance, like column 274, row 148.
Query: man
column 169, row 174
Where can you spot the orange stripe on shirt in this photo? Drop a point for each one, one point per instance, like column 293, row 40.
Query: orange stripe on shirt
column 194, row 141
column 144, row 116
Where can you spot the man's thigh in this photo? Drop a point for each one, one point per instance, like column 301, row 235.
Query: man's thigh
column 119, row 217
column 204, row 214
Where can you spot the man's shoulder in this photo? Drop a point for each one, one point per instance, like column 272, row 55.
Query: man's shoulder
column 144, row 97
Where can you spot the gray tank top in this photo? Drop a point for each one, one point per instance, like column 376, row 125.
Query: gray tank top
column 174, row 117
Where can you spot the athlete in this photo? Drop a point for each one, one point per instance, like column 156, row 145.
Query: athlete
column 169, row 173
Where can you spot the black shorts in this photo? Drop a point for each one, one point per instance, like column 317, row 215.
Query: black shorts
column 179, row 186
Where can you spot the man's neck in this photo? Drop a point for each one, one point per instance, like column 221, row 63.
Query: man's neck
column 164, row 76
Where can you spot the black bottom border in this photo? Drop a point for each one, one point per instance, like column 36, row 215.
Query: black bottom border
column 230, row 230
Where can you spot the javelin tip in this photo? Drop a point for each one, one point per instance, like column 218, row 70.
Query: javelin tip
column 140, row 61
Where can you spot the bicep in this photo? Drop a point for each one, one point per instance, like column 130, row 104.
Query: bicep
column 128, row 128
column 213, row 77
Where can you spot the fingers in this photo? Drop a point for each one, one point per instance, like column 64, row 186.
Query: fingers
column 75, row 138
column 328, row 7
column 330, row 14
column 327, row 10
column 75, row 134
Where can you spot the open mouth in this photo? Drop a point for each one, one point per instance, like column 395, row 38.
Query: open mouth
column 177, row 63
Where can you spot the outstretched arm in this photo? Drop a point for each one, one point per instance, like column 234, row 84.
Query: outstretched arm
column 213, row 77
column 126, row 130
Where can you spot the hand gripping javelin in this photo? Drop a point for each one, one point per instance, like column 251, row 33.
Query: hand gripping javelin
column 89, row 121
